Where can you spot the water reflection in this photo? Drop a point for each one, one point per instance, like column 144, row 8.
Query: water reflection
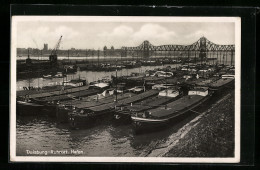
column 43, row 133
column 87, row 75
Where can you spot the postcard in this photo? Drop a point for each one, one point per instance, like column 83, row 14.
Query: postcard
column 125, row 89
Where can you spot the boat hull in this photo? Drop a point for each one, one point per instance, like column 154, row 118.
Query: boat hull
column 222, row 87
column 28, row 109
column 121, row 118
column 77, row 121
column 34, row 108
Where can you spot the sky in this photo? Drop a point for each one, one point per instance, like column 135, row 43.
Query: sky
column 96, row 35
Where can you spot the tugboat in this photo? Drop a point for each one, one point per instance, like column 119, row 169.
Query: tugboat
column 161, row 116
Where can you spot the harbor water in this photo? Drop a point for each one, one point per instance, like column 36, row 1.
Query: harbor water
column 87, row 75
column 105, row 139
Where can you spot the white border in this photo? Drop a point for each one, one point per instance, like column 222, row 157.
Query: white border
column 15, row 19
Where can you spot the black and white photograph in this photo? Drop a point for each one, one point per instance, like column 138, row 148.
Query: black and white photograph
column 125, row 89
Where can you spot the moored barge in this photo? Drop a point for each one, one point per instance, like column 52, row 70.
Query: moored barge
column 82, row 117
column 160, row 117
column 219, row 84
column 123, row 113
column 64, row 108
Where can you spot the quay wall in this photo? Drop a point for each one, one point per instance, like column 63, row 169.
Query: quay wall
column 213, row 136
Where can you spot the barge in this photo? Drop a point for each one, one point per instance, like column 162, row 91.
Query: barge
column 161, row 116
column 123, row 113
column 47, row 102
column 219, row 84
column 64, row 108
column 81, row 117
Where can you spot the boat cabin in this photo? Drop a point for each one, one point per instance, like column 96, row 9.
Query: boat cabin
column 201, row 91
column 75, row 83
column 163, row 74
column 99, row 86
column 169, row 93
column 137, row 89
column 187, row 76
column 162, row 86
column 228, row 76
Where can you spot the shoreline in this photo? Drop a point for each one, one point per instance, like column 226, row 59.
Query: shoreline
column 211, row 134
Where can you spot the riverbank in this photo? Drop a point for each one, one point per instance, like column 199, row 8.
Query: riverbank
column 212, row 136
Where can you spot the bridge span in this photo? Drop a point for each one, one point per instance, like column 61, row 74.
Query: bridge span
column 201, row 50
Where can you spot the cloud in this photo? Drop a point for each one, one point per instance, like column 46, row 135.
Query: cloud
column 34, row 37
column 97, row 35
column 126, row 36
column 155, row 34
column 118, row 35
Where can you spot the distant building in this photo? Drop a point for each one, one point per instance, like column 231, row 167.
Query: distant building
column 45, row 47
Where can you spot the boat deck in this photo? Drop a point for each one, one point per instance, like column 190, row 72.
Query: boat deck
column 138, row 97
column 153, row 78
column 176, row 106
column 207, row 81
column 220, row 82
column 58, row 92
column 35, row 91
column 106, row 100
column 149, row 103
column 69, row 96
column 125, row 101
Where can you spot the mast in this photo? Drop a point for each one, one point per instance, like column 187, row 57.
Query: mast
column 79, row 79
column 41, row 54
column 195, row 58
column 38, row 71
column 110, row 59
column 116, row 80
column 231, row 58
column 29, row 78
column 121, row 64
column 188, row 58
column 217, row 59
column 200, row 60
column 166, row 91
column 92, row 57
column 86, row 55
column 98, row 57
column 220, row 58
column 68, row 55
column 226, row 57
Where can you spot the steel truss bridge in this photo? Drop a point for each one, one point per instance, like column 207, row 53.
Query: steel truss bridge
column 203, row 49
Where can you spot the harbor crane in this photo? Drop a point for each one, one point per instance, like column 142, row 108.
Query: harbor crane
column 53, row 56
